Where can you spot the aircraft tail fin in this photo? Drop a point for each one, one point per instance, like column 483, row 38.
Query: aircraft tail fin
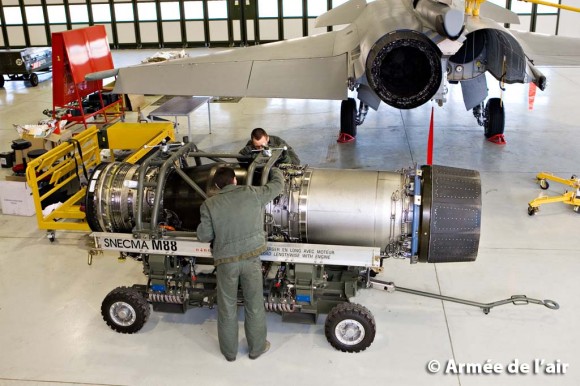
column 343, row 14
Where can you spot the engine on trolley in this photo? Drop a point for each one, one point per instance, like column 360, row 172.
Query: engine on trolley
column 328, row 233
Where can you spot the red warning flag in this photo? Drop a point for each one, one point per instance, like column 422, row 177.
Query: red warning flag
column 531, row 96
column 430, row 140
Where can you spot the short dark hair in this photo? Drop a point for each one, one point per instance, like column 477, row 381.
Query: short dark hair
column 224, row 176
column 258, row 133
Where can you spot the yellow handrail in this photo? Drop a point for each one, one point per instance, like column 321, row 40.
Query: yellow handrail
column 561, row 6
column 57, row 168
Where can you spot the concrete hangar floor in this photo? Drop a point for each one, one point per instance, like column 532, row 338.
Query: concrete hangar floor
column 53, row 333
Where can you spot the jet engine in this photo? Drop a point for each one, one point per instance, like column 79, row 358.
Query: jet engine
column 431, row 214
column 404, row 69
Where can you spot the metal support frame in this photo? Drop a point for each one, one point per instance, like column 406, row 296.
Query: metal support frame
column 64, row 164
column 169, row 164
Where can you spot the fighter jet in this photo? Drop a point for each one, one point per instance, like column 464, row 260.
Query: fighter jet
column 404, row 53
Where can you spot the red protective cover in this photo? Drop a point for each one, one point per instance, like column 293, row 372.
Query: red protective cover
column 75, row 54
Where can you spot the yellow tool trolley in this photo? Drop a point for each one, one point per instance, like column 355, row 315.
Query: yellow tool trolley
column 571, row 197
column 56, row 170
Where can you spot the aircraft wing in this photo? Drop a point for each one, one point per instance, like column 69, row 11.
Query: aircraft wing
column 306, row 68
column 549, row 50
column 499, row 14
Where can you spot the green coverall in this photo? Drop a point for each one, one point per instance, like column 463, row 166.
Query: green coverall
column 274, row 142
column 234, row 220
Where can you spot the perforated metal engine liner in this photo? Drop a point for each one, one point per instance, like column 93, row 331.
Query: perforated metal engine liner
column 450, row 215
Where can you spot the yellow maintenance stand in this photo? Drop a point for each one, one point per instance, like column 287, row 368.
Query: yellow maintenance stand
column 569, row 197
column 57, row 169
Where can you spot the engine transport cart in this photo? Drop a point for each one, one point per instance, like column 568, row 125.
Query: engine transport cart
column 24, row 64
column 311, row 267
column 569, row 197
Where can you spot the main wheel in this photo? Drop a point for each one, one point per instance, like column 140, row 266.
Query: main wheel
column 34, row 80
column 350, row 327
column 348, row 117
column 495, row 122
column 125, row 310
column 543, row 184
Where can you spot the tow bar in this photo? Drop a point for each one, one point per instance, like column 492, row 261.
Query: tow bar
column 516, row 300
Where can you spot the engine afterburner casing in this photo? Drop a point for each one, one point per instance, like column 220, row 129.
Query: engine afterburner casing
column 404, row 69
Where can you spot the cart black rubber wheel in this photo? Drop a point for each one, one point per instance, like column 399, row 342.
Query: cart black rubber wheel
column 2, row 80
column 544, row 184
column 350, row 327
column 576, row 209
column 495, row 123
column 531, row 210
column 125, row 310
column 348, row 117
column 34, row 80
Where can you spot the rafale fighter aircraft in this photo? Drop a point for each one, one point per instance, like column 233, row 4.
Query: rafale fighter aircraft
column 401, row 52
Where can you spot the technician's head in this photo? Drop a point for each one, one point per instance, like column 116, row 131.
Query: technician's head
column 259, row 138
column 225, row 176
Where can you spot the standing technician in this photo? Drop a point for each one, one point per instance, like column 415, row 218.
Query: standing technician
column 233, row 221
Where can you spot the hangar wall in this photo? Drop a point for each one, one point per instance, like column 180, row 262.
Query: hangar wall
column 198, row 23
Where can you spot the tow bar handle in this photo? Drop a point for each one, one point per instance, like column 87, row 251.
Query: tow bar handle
column 516, row 300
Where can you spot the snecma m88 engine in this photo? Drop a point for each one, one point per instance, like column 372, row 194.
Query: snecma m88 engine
column 328, row 233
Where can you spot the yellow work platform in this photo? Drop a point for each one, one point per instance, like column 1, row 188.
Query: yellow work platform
column 51, row 173
column 569, row 197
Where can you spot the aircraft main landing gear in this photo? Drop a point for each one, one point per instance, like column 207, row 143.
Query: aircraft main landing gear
column 347, row 121
column 492, row 118
column 350, row 118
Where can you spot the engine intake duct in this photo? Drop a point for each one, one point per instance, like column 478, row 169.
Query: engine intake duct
column 404, row 69
column 450, row 215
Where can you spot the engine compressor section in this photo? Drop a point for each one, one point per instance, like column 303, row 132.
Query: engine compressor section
column 328, row 233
